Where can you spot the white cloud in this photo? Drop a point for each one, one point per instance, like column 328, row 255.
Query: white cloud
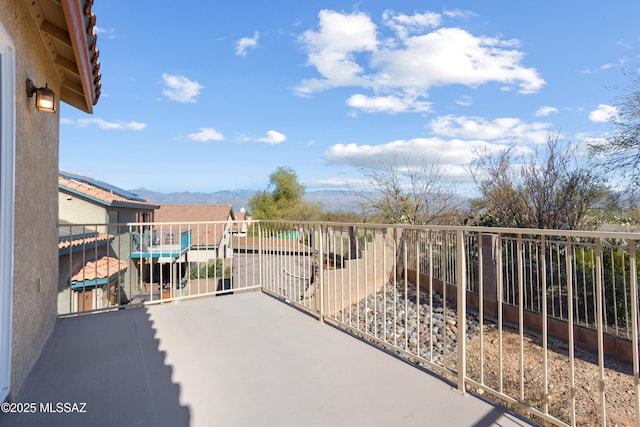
column 108, row 33
column 206, row 135
column 623, row 43
column 545, row 110
column 180, row 89
column 437, row 150
column 621, row 63
column 273, row 137
column 453, row 56
column 465, row 101
column 603, row 113
column 243, row 138
column 389, row 104
column 403, row 25
column 608, row 66
column 337, row 183
column 245, row 43
column 452, row 156
column 332, row 49
column 501, row 129
column 458, row 13
column 348, row 50
column 105, row 125
column 584, row 141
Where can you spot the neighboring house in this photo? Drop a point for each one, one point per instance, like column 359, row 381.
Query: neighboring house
column 84, row 200
column 89, row 276
column 52, row 44
column 242, row 223
column 183, row 235
column 210, row 225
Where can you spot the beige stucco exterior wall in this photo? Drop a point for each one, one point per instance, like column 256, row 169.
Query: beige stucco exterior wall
column 370, row 273
column 36, row 201
column 76, row 210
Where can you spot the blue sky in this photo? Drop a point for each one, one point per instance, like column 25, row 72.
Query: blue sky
column 216, row 95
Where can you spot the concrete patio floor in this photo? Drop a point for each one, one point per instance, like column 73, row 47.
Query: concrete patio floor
column 237, row 360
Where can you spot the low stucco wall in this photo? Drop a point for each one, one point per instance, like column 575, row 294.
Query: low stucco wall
column 358, row 278
column 36, row 201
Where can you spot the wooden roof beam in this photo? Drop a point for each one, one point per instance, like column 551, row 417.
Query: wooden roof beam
column 56, row 32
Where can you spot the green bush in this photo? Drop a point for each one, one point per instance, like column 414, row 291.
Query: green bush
column 210, row 271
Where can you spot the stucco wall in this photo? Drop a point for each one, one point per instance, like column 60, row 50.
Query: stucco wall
column 371, row 272
column 36, row 201
column 71, row 263
column 76, row 210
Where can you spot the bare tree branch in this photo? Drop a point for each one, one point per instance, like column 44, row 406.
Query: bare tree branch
column 544, row 190
column 401, row 192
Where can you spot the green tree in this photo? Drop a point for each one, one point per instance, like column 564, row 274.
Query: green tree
column 283, row 199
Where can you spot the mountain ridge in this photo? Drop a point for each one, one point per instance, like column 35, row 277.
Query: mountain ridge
column 332, row 200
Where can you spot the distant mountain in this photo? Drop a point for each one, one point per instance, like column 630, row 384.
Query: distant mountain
column 332, row 200
column 335, row 200
column 237, row 199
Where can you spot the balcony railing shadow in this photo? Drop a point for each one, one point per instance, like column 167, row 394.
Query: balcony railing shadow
column 102, row 370
column 439, row 297
column 244, row 360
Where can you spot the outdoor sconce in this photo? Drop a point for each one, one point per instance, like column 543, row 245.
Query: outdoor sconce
column 45, row 97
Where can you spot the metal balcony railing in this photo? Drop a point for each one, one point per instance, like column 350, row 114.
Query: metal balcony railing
column 544, row 321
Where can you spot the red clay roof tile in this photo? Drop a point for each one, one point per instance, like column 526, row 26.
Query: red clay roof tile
column 101, row 194
column 101, row 268
column 216, row 215
column 79, row 241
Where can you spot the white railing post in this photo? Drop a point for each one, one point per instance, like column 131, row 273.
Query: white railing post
column 572, row 360
column 260, row 272
column 320, row 273
column 545, row 353
column 521, row 290
column 600, row 328
column 633, row 283
column 500, row 292
column 461, row 283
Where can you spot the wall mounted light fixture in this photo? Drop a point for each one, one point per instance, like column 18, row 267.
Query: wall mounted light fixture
column 45, row 97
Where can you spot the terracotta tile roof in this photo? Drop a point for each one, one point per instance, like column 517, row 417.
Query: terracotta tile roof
column 193, row 213
column 75, row 241
column 242, row 221
column 66, row 28
column 242, row 216
column 98, row 191
column 210, row 234
column 102, row 268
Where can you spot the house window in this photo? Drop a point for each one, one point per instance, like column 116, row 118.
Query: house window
column 7, row 182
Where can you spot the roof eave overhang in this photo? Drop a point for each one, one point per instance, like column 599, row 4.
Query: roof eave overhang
column 114, row 204
column 80, row 23
column 134, row 206
column 66, row 29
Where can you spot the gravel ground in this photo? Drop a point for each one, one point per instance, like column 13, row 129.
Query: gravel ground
column 406, row 323
column 619, row 389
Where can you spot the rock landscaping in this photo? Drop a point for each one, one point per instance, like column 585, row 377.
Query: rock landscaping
column 422, row 325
